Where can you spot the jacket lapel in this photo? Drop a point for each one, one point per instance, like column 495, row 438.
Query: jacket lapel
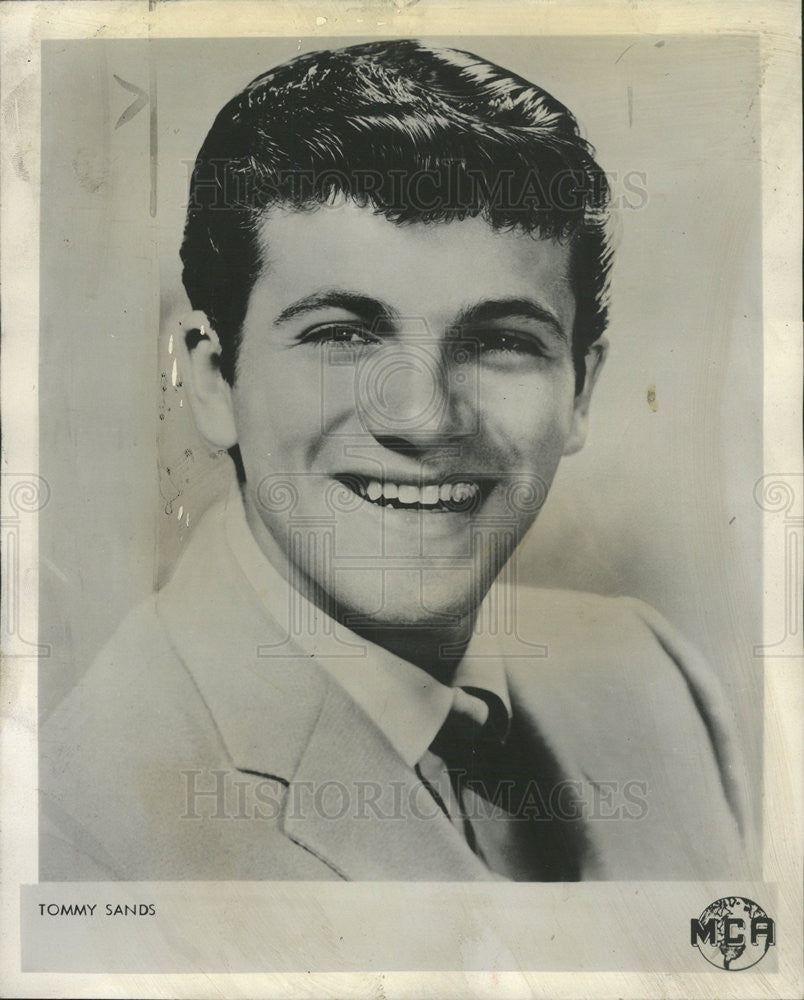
column 264, row 707
column 367, row 814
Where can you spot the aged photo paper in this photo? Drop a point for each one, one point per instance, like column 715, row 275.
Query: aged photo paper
column 401, row 499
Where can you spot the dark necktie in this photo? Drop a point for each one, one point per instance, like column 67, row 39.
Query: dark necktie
column 474, row 718
column 506, row 780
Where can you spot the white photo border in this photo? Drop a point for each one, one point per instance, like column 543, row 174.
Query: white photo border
column 24, row 27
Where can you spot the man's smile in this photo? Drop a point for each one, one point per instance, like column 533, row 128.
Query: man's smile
column 446, row 494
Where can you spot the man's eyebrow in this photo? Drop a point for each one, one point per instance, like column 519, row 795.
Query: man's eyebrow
column 366, row 307
column 494, row 309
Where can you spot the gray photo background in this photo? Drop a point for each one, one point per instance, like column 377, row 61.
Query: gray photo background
column 659, row 505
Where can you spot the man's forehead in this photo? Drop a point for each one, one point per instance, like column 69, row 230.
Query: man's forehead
column 446, row 266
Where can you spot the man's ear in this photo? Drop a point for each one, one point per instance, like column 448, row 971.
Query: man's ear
column 198, row 354
column 594, row 359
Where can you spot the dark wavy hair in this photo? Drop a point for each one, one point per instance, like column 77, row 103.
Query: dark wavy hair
column 416, row 133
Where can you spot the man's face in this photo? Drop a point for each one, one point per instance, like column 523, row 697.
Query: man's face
column 403, row 397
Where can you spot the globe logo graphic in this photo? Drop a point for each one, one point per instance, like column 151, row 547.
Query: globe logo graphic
column 733, row 933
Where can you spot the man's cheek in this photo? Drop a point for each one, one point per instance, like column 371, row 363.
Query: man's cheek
column 524, row 462
column 269, row 434
column 505, row 441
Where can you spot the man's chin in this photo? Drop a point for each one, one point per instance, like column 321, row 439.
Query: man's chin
column 405, row 604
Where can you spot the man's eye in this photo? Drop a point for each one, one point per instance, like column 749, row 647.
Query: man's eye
column 340, row 333
column 509, row 344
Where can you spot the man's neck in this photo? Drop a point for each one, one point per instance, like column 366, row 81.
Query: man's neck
column 437, row 650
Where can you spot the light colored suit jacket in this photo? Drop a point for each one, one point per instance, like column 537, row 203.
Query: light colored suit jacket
column 187, row 753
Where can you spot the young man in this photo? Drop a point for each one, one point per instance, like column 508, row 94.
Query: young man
column 397, row 262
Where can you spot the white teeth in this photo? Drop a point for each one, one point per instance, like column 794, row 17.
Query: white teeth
column 430, row 495
column 409, row 494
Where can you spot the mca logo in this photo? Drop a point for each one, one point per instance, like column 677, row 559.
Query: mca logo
column 733, row 933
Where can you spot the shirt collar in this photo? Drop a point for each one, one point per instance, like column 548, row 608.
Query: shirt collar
column 406, row 703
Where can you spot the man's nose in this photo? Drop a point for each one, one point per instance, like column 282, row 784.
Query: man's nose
column 406, row 397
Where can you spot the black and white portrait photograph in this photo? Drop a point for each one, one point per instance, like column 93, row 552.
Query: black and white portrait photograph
column 402, row 500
